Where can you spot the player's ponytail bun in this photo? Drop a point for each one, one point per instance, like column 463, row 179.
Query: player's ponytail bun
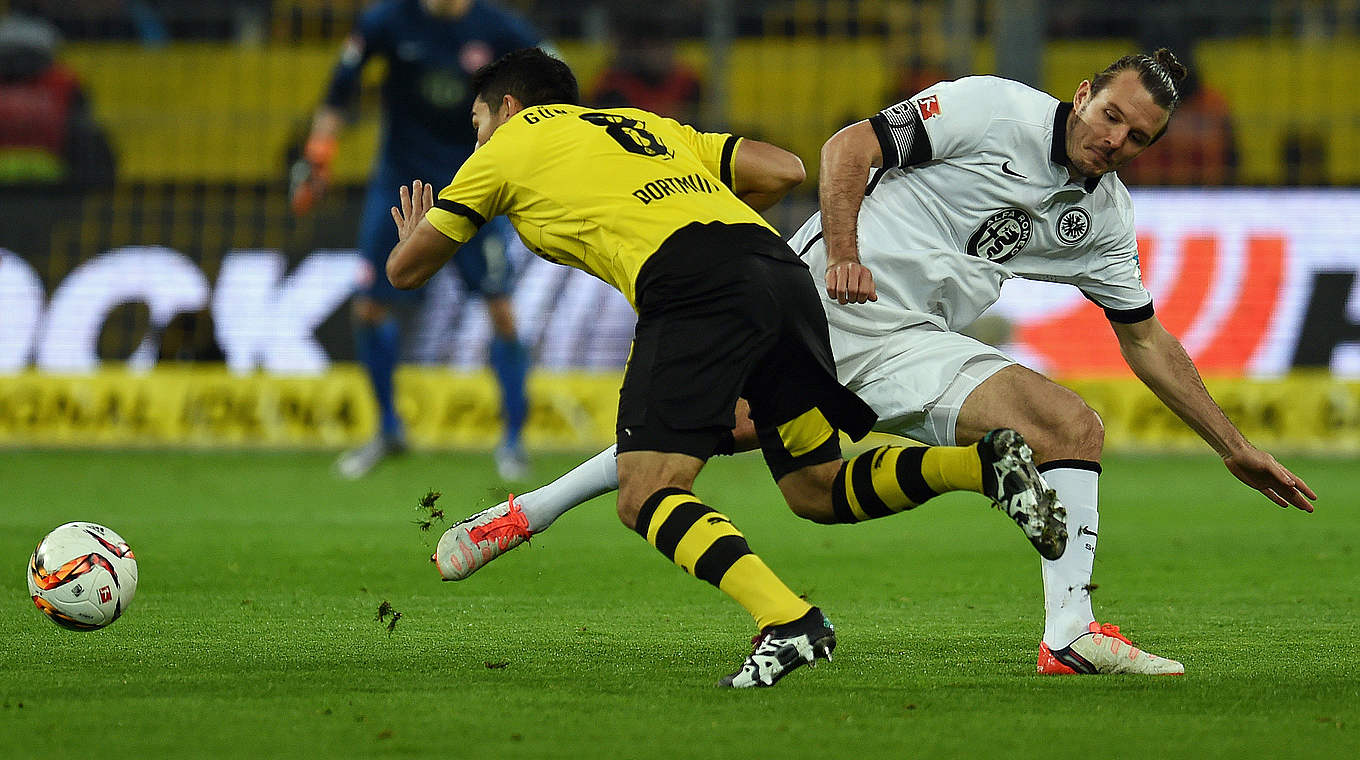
column 1161, row 73
column 1173, row 67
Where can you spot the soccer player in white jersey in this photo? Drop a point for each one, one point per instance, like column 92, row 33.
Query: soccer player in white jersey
column 926, row 208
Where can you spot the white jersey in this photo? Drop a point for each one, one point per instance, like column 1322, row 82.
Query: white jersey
column 974, row 190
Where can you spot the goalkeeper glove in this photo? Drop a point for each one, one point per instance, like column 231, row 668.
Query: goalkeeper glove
column 309, row 175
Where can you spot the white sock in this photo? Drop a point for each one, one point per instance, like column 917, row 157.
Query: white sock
column 593, row 477
column 1067, row 580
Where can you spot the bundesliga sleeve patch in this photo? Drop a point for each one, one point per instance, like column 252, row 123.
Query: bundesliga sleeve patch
column 929, row 107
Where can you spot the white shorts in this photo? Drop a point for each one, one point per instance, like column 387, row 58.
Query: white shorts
column 916, row 378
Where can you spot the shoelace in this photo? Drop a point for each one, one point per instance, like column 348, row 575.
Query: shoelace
column 513, row 524
column 1111, row 630
column 760, row 639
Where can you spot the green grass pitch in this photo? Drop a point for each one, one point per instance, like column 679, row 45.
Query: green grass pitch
column 253, row 633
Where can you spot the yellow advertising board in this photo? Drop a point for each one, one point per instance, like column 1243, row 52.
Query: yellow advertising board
column 210, row 407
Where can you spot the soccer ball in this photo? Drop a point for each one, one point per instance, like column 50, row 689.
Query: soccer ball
column 82, row 576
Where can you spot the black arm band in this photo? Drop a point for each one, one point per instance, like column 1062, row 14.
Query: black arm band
column 461, row 210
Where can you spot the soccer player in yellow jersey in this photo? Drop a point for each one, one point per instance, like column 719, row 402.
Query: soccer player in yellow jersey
column 669, row 216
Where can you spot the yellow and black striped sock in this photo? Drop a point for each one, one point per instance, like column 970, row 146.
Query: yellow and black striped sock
column 705, row 544
column 891, row 479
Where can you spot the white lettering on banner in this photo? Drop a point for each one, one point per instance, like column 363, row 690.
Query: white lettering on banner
column 165, row 280
column 1254, row 282
column 21, row 304
column 573, row 319
column 262, row 322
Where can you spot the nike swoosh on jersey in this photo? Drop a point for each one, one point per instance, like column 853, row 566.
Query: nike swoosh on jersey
column 1006, row 167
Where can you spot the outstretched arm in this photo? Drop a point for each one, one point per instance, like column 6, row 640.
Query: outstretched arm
column 1162, row 364
column 763, row 173
column 846, row 160
column 421, row 249
column 310, row 175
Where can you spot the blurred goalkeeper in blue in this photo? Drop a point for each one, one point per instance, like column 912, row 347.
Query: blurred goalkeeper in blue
column 431, row 48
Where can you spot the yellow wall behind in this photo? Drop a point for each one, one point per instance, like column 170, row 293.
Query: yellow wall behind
column 215, row 112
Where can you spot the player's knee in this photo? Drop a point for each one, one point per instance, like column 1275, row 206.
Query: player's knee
column 645, row 478
column 818, row 511
column 1097, row 435
column 807, row 491
column 1075, row 433
column 1087, row 434
column 629, row 506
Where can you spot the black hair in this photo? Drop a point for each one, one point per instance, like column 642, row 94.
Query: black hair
column 1161, row 75
column 532, row 76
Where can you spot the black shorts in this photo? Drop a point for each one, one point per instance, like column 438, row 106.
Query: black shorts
column 726, row 311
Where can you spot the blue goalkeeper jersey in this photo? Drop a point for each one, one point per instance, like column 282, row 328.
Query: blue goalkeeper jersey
column 427, row 104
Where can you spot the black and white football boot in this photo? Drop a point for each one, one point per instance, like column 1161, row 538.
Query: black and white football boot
column 780, row 649
column 1013, row 483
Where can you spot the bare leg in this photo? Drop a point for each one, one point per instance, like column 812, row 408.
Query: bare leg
column 1067, row 438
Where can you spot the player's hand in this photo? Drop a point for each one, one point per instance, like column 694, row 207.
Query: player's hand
column 309, row 175
column 415, row 201
column 1259, row 470
column 850, row 282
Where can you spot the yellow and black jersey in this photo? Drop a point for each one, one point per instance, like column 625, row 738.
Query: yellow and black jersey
column 596, row 189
